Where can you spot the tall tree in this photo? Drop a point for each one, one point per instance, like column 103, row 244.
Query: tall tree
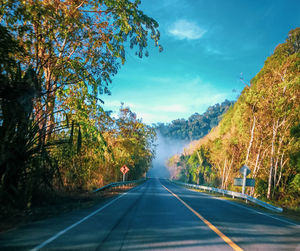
column 78, row 42
column 261, row 129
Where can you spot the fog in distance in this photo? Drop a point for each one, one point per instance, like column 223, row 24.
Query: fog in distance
column 165, row 148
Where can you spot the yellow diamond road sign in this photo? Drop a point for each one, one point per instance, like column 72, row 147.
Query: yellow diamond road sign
column 124, row 169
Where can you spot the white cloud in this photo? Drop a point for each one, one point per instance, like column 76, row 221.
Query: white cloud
column 211, row 50
column 151, row 118
column 178, row 108
column 183, row 29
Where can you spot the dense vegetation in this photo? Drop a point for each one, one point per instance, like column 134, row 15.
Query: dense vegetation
column 196, row 126
column 57, row 59
column 262, row 131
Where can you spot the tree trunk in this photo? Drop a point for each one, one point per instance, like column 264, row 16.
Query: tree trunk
column 277, row 159
column 228, row 172
column 223, row 174
column 251, row 139
column 200, row 164
column 282, row 164
column 256, row 167
column 275, row 126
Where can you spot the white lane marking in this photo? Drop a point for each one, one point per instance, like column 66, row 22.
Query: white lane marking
column 259, row 212
column 78, row 222
column 250, row 209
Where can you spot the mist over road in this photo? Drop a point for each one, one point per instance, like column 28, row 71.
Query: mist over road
column 165, row 149
column 158, row 215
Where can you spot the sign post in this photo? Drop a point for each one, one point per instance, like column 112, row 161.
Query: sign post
column 244, row 171
column 124, row 169
column 244, row 180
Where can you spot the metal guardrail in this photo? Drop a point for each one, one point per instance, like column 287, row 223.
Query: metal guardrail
column 233, row 194
column 118, row 184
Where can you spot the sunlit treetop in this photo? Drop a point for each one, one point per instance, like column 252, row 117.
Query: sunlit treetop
column 69, row 41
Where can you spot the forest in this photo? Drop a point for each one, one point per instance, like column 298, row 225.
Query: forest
column 196, row 126
column 261, row 130
column 57, row 60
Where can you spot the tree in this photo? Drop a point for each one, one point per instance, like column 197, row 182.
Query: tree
column 24, row 163
column 80, row 42
column 67, row 52
column 197, row 126
column 135, row 142
column 261, row 130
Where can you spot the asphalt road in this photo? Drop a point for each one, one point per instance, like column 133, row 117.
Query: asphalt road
column 158, row 215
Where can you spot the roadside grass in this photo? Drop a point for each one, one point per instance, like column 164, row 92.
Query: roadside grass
column 292, row 214
column 54, row 204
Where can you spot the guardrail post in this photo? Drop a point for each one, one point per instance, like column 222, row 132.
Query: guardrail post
column 234, row 195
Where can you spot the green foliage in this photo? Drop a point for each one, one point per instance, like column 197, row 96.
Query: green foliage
column 57, row 58
column 261, row 187
column 25, row 164
column 76, row 46
column 262, row 131
column 295, row 154
column 295, row 185
column 79, row 141
column 226, row 121
column 195, row 168
column 197, row 126
column 103, row 150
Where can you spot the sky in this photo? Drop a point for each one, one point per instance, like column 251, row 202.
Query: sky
column 208, row 45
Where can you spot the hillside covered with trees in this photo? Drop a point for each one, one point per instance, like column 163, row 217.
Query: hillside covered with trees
column 261, row 130
column 57, row 59
column 196, row 126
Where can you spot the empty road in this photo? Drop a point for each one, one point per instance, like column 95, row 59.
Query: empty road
column 158, row 215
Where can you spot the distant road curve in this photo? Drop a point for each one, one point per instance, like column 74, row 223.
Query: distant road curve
column 158, row 215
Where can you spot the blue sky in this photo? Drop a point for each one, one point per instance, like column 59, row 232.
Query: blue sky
column 207, row 44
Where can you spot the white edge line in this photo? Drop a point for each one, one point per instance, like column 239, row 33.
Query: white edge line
column 250, row 209
column 43, row 244
column 258, row 212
